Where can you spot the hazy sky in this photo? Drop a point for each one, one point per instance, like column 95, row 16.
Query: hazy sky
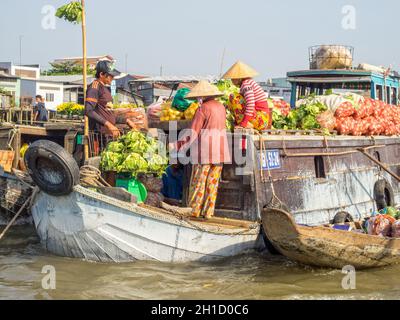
column 189, row 37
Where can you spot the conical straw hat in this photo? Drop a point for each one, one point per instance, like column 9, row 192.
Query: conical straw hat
column 203, row 89
column 240, row 71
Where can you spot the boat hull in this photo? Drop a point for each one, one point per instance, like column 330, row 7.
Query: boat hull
column 326, row 247
column 90, row 226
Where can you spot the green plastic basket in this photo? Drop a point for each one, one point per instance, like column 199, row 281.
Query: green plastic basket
column 133, row 186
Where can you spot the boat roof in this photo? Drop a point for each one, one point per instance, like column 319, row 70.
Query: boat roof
column 348, row 74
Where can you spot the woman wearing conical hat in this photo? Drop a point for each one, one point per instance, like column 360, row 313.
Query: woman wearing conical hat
column 256, row 113
column 209, row 148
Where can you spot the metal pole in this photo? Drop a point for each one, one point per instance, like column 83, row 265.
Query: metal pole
column 86, row 129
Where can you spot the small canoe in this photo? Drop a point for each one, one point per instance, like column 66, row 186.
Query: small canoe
column 327, row 247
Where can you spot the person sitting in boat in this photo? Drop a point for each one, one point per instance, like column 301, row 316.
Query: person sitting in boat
column 173, row 184
column 256, row 113
column 208, row 149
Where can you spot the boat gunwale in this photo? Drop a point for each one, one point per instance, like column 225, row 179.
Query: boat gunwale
column 169, row 217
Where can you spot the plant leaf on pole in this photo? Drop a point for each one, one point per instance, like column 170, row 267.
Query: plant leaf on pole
column 74, row 12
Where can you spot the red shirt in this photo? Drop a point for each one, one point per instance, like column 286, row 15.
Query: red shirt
column 255, row 99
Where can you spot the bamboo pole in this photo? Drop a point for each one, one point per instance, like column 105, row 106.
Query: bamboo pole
column 86, row 129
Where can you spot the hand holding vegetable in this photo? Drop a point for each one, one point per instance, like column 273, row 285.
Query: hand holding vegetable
column 112, row 130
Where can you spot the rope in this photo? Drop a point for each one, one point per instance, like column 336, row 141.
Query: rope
column 275, row 202
column 26, row 203
column 91, row 177
column 11, row 136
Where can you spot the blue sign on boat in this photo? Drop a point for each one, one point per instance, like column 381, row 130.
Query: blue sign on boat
column 271, row 160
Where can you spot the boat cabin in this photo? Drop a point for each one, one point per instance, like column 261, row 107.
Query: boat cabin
column 373, row 84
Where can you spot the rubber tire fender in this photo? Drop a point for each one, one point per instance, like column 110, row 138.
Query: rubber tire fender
column 342, row 217
column 383, row 194
column 51, row 167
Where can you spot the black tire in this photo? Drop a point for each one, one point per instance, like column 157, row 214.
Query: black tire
column 51, row 167
column 342, row 217
column 383, row 194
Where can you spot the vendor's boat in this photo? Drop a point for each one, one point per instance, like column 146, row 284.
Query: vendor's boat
column 328, row 247
column 88, row 225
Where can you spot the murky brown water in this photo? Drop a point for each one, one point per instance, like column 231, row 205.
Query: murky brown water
column 245, row 277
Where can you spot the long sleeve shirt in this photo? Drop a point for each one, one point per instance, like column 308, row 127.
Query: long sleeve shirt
column 253, row 95
column 208, row 141
column 97, row 98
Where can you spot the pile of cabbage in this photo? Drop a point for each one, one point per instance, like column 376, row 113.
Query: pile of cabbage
column 135, row 153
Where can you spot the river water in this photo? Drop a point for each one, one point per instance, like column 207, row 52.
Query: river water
column 254, row 276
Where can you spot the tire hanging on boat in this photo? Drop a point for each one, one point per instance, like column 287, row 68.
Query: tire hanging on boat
column 342, row 217
column 51, row 167
column 383, row 194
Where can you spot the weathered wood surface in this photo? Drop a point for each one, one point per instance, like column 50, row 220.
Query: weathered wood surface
column 327, row 247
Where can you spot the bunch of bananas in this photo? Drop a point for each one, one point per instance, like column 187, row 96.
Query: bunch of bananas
column 191, row 111
column 170, row 114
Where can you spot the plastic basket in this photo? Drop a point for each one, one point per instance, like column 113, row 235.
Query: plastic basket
column 132, row 185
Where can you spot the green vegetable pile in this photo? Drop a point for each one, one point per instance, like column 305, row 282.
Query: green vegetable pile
column 302, row 118
column 134, row 153
column 227, row 88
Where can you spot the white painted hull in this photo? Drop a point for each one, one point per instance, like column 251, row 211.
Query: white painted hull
column 97, row 228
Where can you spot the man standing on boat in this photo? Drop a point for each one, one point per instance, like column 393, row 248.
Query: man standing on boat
column 256, row 113
column 99, row 100
column 209, row 149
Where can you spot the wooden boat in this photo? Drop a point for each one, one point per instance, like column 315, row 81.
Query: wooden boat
column 88, row 225
column 328, row 247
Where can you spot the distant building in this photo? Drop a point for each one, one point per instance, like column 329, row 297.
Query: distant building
column 278, row 88
column 73, row 88
column 91, row 61
column 29, row 84
column 154, row 88
column 12, row 85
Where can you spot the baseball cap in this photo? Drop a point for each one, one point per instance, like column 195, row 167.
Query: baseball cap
column 107, row 67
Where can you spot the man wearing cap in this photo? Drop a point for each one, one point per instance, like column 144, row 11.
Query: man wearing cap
column 209, row 149
column 98, row 105
column 256, row 113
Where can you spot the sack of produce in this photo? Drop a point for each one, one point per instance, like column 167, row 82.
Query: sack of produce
column 152, row 184
column 137, row 117
column 396, row 229
column 381, row 225
column 346, row 109
column 154, row 112
column 180, row 102
column 345, row 126
column 154, row 199
column 332, row 57
column 327, row 120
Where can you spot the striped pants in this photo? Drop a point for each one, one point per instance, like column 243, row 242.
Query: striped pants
column 204, row 189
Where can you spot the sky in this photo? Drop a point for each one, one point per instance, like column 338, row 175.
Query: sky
column 198, row 37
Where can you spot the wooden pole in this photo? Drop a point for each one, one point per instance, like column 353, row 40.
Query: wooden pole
column 86, row 129
column 384, row 167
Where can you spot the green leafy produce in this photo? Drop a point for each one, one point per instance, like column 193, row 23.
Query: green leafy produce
column 158, row 164
column 134, row 153
column 227, row 88
column 302, row 118
column 110, row 160
column 134, row 163
column 115, row 146
column 392, row 212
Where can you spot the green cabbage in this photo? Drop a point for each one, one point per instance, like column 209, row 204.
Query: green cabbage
column 134, row 163
column 110, row 160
